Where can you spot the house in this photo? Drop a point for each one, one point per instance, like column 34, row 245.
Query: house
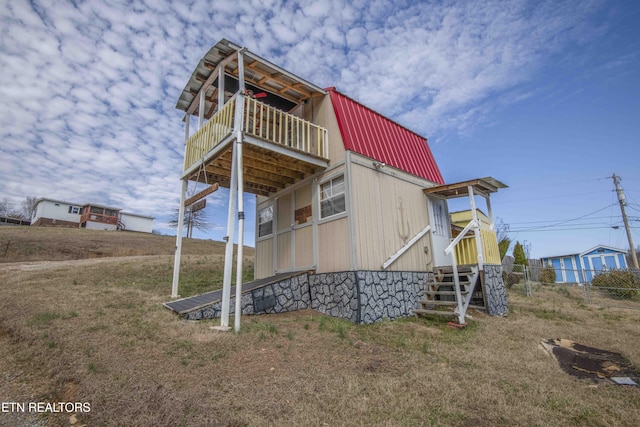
column 352, row 217
column 57, row 213
column 582, row 267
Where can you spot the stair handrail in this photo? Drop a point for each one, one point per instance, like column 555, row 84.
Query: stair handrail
column 403, row 249
column 460, row 236
column 461, row 311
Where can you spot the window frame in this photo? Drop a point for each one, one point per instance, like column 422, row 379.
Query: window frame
column 260, row 223
column 332, row 196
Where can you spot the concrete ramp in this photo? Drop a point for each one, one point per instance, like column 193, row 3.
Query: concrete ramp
column 187, row 305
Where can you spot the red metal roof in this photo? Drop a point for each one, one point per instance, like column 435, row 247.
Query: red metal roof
column 371, row 134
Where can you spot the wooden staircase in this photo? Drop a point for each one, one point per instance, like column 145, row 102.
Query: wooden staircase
column 440, row 296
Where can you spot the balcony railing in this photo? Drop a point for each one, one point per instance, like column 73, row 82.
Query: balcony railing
column 210, row 135
column 467, row 252
column 261, row 121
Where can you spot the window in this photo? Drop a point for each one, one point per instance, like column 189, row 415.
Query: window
column 110, row 212
column 265, row 221
column 97, row 210
column 332, row 197
column 74, row 210
column 438, row 213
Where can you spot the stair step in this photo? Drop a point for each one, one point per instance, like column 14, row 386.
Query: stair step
column 431, row 303
column 462, row 292
column 449, row 270
column 418, row 311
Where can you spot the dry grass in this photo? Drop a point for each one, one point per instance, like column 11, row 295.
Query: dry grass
column 99, row 334
column 21, row 244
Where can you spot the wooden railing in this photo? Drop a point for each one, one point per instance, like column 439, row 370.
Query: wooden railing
column 261, row 121
column 278, row 127
column 467, row 252
column 210, row 135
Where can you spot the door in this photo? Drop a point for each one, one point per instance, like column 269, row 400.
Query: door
column 440, row 230
column 569, row 270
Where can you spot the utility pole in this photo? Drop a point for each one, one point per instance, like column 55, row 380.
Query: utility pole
column 623, row 202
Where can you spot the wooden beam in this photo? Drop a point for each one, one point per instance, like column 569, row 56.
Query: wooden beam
column 191, row 200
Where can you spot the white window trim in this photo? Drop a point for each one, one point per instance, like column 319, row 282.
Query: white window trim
column 258, row 223
column 344, row 193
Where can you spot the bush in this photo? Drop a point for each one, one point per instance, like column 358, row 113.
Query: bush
column 619, row 284
column 511, row 279
column 548, row 275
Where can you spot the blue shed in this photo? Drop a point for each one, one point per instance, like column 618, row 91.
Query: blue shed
column 582, row 267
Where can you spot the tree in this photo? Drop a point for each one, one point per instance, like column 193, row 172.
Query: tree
column 28, row 207
column 518, row 255
column 197, row 219
column 502, row 234
column 6, row 210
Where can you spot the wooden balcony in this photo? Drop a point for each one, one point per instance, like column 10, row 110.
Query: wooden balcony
column 467, row 252
column 279, row 148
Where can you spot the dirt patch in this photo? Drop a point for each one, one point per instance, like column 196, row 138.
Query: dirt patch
column 588, row 362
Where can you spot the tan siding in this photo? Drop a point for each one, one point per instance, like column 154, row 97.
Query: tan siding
column 264, row 258
column 389, row 213
column 284, row 212
column 284, row 251
column 326, row 117
column 333, row 246
column 304, row 247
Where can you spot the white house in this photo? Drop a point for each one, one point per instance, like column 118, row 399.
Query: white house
column 58, row 213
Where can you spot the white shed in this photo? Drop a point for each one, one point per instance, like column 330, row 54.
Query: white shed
column 133, row 222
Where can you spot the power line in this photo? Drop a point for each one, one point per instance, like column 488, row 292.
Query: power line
column 566, row 221
column 554, row 197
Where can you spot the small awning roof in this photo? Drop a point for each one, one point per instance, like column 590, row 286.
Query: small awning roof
column 481, row 186
column 284, row 90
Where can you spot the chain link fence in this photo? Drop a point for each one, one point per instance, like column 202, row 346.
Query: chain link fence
column 607, row 287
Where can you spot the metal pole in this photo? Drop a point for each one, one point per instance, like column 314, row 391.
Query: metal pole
column 178, row 254
column 623, row 202
column 240, row 185
column 228, row 254
column 239, row 260
column 176, row 261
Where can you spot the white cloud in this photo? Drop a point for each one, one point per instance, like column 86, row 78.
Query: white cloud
column 88, row 92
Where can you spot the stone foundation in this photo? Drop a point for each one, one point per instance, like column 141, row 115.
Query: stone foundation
column 494, row 290
column 357, row 296
column 360, row 297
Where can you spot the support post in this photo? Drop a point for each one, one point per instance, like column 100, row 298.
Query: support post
column 239, row 260
column 623, row 202
column 201, row 107
column 476, row 228
column 240, row 185
column 456, row 280
column 183, row 194
column 220, row 87
column 228, row 253
column 176, row 261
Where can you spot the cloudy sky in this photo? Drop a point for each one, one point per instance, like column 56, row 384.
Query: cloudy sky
column 543, row 95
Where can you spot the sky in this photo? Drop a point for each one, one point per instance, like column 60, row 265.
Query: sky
column 541, row 95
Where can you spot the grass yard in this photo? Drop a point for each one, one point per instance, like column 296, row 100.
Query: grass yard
column 97, row 333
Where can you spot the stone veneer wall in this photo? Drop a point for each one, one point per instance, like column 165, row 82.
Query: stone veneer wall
column 389, row 294
column 494, row 290
column 360, row 296
column 288, row 295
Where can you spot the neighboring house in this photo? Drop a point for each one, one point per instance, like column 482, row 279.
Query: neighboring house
column 134, row 222
column 57, row 213
column 582, row 267
column 349, row 203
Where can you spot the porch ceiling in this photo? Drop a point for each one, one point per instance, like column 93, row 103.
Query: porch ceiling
column 284, row 90
column 265, row 171
column 481, row 186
